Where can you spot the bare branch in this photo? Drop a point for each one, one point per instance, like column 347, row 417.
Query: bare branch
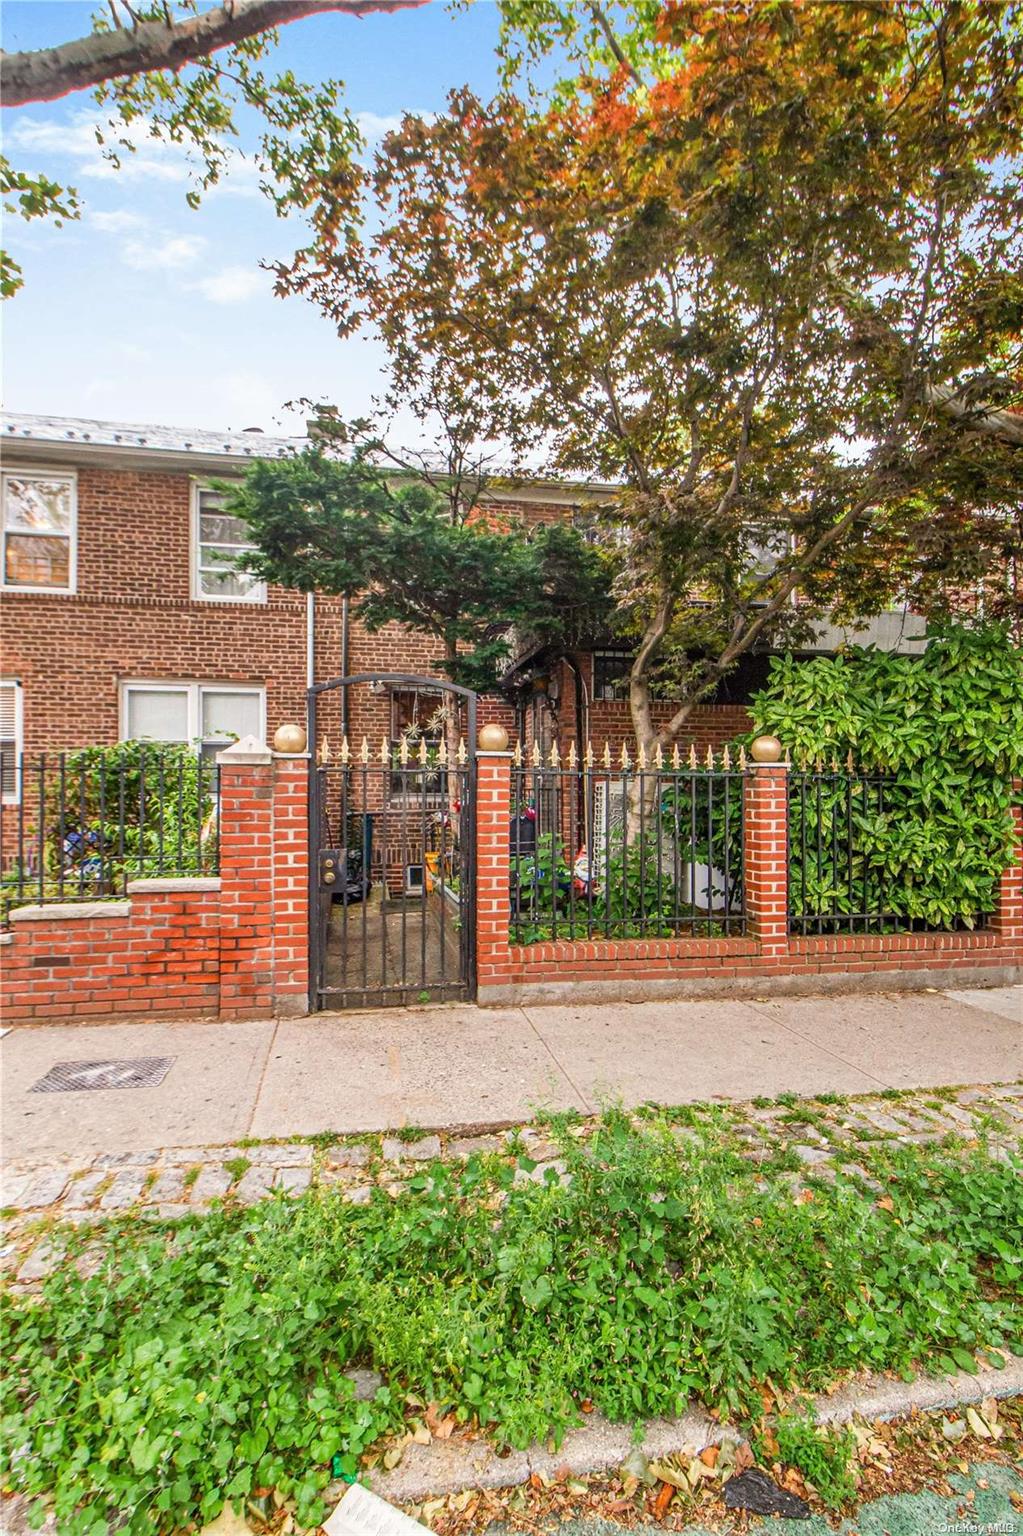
column 46, row 74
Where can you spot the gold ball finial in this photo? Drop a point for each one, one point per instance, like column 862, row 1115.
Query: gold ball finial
column 290, row 739
column 766, row 749
column 493, row 738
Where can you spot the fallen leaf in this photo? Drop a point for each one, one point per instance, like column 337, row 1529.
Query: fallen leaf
column 665, row 1494
column 886, row 1203
column 977, row 1424
column 709, row 1455
column 744, row 1458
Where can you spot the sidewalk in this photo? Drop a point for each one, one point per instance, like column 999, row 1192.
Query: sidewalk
column 472, row 1067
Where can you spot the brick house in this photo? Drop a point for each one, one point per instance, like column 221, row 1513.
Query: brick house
column 122, row 618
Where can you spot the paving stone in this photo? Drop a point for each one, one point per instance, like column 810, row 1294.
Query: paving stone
column 187, row 1157
column 173, row 1211
column 294, row 1180
column 295, row 1155
column 126, row 1159
column 812, row 1156
column 367, row 1383
column 169, row 1185
column 474, row 1146
column 212, row 1184
column 82, row 1192
column 43, row 1189
column 857, row 1170
column 422, row 1151
column 41, row 1262
column 125, row 1190
column 356, row 1155
column 538, row 1175
column 253, row 1185
column 361, row 1195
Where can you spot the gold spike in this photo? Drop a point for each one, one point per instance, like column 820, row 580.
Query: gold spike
column 555, row 755
column 742, row 759
column 385, row 750
column 726, row 758
column 460, row 755
column 364, row 751
column 573, row 756
column 589, row 754
column 849, row 764
column 641, row 758
column 607, row 754
column 537, row 758
column 325, row 751
column 442, row 752
column 834, row 763
column 346, row 751
column 819, row 765
column 709, row 761
column 403, row 752
column 676, row 757
column 517, row 755
column 626, row 759
column 658, row 757
column 692, row 755
column 423, row 754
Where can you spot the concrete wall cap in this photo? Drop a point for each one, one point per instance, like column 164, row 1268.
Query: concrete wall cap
column 248, row 749
column 182, row 883
column 61, row 911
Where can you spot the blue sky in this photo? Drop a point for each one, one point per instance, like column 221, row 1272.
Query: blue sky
column 145, row 310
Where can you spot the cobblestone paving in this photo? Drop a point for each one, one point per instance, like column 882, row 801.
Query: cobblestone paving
column 823, row 1138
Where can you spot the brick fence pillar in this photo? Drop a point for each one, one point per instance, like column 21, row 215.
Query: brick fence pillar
column 246, row 879
column 493, row 867
column 765, row 855
column 1008, row 914
column 291, row 883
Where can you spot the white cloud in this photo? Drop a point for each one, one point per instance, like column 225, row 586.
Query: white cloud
column 233, row 285
column 166, row 255
column 373, row 126
column 117, row 221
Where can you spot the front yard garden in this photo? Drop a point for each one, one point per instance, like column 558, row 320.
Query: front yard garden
column 632, row 1265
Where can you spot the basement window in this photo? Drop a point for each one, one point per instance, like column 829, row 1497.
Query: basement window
column 211, row 714
column 11, row 742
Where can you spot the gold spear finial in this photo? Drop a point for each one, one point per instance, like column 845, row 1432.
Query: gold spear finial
column 641, row 758
column 403, row 751
column 726, row 758
column 346, row 751
column 536, row 756
column 709, row 761
column 517, row 755
column 461, row 754
column 554, row 756
column 742, row 759
column 626, row 759
column 573, row 756
column 324, row 753
column 364, row 751
column 658, row 757
column 692, row 755
column 589, row 754
column 424, row 756
column 676, row 757
column 385, row 750
column 607, row 754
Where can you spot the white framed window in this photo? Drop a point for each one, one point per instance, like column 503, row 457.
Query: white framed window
column 11, row 742
column 217, row 541
column 210, row 714
column 40, row 528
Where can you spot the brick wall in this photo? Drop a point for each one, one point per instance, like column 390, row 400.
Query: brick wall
column 610, row 968
column 231, row 947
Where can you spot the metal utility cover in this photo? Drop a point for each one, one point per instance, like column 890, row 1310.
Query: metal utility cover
column 82, row 1076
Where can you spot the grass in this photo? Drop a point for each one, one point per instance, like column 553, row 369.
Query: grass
column 206, row 1358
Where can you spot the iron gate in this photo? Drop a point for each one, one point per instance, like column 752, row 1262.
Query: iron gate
column 392, row 829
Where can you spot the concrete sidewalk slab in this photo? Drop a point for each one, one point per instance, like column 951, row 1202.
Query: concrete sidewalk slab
column 207, row 1096
column 408, row 1066
column 1005, row 1001
column 679, row 1052
column 905, row 1040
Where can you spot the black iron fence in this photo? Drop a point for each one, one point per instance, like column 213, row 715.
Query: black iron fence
column 79, row 825
column 632, row 849
column 854, row 866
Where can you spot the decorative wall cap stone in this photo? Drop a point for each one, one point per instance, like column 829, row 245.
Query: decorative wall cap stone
column 181, row 883
column 61, row 911
column 248, row 750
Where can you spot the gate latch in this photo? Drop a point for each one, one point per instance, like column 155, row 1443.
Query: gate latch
column 330, row 863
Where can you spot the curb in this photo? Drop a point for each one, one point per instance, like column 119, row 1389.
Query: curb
column 442, row 1468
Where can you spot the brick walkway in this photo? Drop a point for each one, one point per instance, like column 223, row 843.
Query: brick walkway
column 822, row 1137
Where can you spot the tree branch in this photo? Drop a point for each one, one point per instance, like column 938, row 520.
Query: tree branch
column 46, row 74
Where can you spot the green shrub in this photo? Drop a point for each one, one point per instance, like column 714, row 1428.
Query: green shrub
column 945, row 729
column 823, row 1455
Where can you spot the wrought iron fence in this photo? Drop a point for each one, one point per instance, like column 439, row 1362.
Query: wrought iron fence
column 636, row 848
column 848, row 872
column 79, row 825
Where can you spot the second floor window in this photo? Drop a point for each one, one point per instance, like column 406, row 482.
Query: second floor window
column 39, row 516
column 219, row 541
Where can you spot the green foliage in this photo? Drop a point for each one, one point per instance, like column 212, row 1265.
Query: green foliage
column 945, row 729
column 823, row 1455
column 207, row 1358
column 634, row 898
column 391, row 543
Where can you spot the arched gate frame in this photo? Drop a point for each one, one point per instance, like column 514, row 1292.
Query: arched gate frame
column 392, row 838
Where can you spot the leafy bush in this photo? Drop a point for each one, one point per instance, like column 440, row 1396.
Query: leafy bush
column 823, row 1455
column 123, row 812
column 203, row 1361
column 945, row 729
column 633, row 897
